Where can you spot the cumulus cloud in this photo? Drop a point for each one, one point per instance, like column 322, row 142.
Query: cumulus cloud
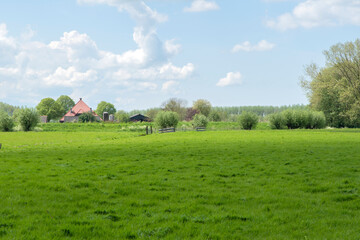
column 171, row 87
column 316, row 13
column 232, row 78
column 75, row 64
column 202, row 6
column 248, row 47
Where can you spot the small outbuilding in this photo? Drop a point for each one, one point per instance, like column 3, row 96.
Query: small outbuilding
column 139, row 118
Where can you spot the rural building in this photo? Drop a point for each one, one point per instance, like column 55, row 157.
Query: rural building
column 139, row 118
column 73, row 114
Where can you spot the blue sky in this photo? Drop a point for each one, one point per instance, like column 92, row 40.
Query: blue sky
column 137, row 54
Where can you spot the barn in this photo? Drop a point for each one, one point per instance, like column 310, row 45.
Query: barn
column 139, row 118
column 73, row 114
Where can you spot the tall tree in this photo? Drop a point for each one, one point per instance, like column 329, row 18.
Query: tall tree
column 105, row 107
column 176, row 105
column 335, row 89
column 203, row 106
column 66, row 103
column 50, row 108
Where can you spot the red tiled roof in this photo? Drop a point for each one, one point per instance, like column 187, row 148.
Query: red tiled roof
column 79, row 108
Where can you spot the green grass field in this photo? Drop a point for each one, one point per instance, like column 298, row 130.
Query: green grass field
column 186, row 185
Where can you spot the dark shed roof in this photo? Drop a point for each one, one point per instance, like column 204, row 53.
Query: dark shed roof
column 139, row 118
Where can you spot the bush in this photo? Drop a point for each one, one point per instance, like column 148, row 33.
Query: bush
column 6, row 122
column 277, row 121
column 200, row 121
column 248, row 120
column 214, row 116
column 167, row 119
column 122, row 116
column 87, row 117
column 318, row 120
column 289, row 119
column 28, row 118
column 304, row 119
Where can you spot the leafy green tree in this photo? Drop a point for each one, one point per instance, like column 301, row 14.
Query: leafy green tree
column 215, row 116
column 28, row 118
column 66, row 103
column 122, row 116
column 176, row 105
column 6, row 122
column 152, row 112
column 105, row 107
column 203, row 106
column 248, row 120
column 277, row 121
column 50, row 108
column 200, row 121
column 87, row 117
column 166, row 119
column 335, row 89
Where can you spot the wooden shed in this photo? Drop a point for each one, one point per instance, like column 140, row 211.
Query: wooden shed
column 139, row 118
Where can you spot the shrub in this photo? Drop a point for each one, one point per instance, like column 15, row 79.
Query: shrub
column 248, row 120
column 6, row 122
column 214, row 116
column 87, row 117
column 167, row 119
column 277, row 121
column 200, row 121
column 318, row 120
column 28, row 118
column 301, row 118
column 122, row 116
column 289, row 118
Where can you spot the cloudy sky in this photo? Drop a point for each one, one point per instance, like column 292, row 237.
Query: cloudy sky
column 137, row 54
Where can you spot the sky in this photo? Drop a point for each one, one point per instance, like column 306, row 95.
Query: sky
column 137, row 54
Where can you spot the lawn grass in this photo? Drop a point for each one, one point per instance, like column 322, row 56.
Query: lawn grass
column 282, row 184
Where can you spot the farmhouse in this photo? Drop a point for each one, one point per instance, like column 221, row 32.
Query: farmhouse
column 139, row 118
column 73, row 114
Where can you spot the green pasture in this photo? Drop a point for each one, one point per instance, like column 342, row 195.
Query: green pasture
column 282, row 184
column 136, row 127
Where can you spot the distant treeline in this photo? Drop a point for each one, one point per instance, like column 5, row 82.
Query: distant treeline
column 261, row 111
column 9, row 109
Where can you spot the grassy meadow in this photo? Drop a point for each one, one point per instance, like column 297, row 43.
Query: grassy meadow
column 299, row 184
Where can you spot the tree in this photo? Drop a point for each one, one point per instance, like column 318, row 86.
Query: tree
column 248, row 120
column 203, row 106
column 105, row 107
column 28, row 118
column 6, row 122
column 176, row 105
column 87, row 117
column 200, row 121
column 66, row 103
column 122, row 116
column 50, row 108
column 335, row 89
column 166, row 119
column 152, row 112
column 215, row 116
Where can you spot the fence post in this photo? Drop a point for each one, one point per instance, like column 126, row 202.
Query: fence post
column 147, row 130
column 151, row 130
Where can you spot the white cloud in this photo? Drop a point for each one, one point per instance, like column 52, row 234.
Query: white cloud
column 74, row 64
column 316, row 13
column 232, row 78
column 248, row 47
column 70, row 77
column 171, row 47
column 202, row 6
column 171, row 86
